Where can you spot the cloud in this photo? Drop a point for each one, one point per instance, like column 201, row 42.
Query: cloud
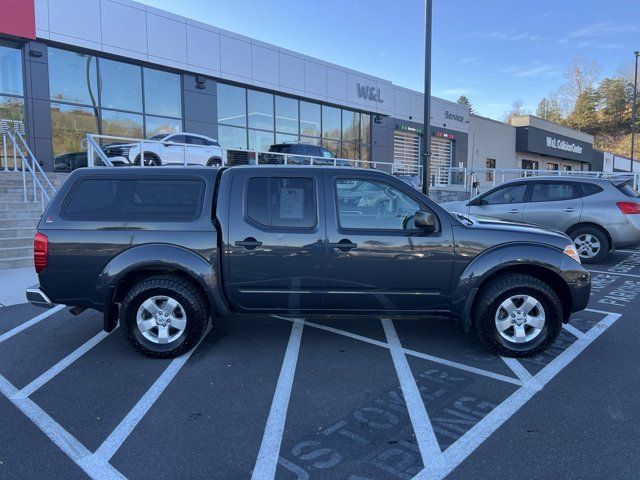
column 454, row 92
column 602, row 29
column 537, row 69
column 471, row 61
column 511, row 35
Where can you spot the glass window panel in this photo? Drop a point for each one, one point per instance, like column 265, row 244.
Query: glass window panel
column 232, row 105
column 309, row 119
column 285, row 137
column 73, row 77
column 365, row 204
column 333, row 146
column 330, row 122
column 365, row 128
column 350, row 126
column 11, row 70
column 121, row 124
column 365, row 152
column 162, row 93
column 11, row 108
column 159, row 125
column 310, row 140
column 157, row 200
column 350, row 150
column 232, row 137
column 286, row 115
column 281, row 202
column 260, row 140
column 69, row 126
column 260, row 110
column 120, row 85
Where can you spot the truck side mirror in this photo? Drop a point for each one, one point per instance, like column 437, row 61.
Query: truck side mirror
column 425, row 221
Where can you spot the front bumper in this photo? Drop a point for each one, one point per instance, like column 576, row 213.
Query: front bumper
column 37, row 297
column 578, row 279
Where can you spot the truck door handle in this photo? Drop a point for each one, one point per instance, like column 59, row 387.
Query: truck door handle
column 344, row 245
column 248, row 243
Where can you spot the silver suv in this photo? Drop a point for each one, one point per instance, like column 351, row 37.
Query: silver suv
column 598, row 214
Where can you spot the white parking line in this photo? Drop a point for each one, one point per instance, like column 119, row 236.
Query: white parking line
column 266, row 463
column 522, row 373
column 628, row 251
column 425, row 436
column 462, row 448
column 116, row 438
column 425, row 356
column 573, row 330
column 61, row 365
column 614, row 273
column 66, row 442
column 30, row 323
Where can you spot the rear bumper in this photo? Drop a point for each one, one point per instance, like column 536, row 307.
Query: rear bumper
column 625, row 234
column 37, row 297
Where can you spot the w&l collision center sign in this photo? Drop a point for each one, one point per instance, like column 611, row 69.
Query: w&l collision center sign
column 543, row 142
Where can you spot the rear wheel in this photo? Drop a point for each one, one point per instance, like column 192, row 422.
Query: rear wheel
column 591, row 243
column 163, row 316
column 518, row 315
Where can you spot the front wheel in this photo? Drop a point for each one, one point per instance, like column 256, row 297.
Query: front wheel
column 518, row 315
column 163, row 316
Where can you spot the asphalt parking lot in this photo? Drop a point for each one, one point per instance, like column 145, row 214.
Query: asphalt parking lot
column 329, row 398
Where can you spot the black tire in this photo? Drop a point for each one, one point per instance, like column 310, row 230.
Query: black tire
column 214, row 161
column 603, row 240
column 500, row 289
column 150, row 160
column 190, row 298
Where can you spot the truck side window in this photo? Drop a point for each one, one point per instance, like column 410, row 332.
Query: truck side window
column 158, row 199
column 367, row 204
column 287, row 202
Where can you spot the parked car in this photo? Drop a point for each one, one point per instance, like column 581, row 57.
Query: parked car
column 163, row 250
column 597, row 213
column 68, row 162
column 299, row 153
column 168, row 149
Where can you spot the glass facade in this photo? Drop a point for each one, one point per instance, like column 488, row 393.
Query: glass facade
column 255, row 120
column 11, row 82
column 90, row 94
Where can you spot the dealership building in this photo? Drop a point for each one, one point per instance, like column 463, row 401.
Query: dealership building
column 118, row 67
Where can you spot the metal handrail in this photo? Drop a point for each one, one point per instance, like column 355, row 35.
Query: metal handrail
column 34, row 161
column 32, row 171
column 93, row 148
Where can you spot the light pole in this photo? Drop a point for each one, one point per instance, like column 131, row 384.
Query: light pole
column 426, row 129
column 634, row 107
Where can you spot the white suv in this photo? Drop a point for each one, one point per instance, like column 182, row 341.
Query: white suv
column 168, row 149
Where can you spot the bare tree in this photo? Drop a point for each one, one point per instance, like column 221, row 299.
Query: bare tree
column 517, row 109
column 581, row 75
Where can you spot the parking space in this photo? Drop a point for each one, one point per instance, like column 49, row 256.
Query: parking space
column 290, row 398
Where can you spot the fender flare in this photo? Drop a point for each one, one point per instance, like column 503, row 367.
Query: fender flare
column 492, row 262
column 161, row 257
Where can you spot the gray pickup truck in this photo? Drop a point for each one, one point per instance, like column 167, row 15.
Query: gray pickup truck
column 165, row 250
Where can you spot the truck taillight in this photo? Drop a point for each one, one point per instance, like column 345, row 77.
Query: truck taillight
column 629, row 208
column 40, row 251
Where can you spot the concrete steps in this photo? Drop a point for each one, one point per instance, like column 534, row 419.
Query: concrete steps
column 18, row 219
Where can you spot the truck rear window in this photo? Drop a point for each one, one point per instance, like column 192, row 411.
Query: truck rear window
column 135, row 199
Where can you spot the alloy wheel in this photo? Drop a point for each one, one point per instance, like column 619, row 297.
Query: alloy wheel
column 520, row 318
column 587, row 245
column 161, row 319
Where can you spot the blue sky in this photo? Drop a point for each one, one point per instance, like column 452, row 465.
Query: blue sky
column 493, row 51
